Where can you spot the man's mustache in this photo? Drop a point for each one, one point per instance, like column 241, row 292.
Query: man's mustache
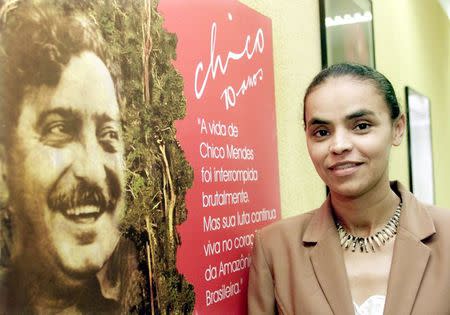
column 84, row 193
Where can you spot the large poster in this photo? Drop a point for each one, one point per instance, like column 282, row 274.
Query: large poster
column 137, row 154
column 224, row 54
column 93, row 180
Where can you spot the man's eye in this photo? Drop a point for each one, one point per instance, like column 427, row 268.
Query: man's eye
column 58, row 128
column 109, row 139
column 57, row 134
column 109, row 135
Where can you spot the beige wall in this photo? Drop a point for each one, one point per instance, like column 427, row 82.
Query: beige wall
column 412, row 47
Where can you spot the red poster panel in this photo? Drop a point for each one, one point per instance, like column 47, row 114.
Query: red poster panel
column 224, row 54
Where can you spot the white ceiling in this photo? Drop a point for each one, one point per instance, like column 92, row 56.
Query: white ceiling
column 446, row 5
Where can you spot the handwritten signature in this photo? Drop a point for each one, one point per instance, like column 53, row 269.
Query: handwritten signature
column 230, row 94
column 216, row 62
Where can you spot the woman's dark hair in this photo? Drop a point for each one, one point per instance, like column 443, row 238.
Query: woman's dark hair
column 359, row 72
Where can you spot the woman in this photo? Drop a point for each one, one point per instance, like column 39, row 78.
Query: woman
column 372, row 247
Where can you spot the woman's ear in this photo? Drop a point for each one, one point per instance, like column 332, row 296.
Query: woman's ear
column 399, row 129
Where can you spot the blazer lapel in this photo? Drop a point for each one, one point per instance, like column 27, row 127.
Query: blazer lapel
column 410, row 256
column 328, row 262
column 407, row 268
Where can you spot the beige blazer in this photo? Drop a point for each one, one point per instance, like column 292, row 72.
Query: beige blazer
column 298, row 265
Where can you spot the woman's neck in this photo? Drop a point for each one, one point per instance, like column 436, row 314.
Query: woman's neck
column 365, row 214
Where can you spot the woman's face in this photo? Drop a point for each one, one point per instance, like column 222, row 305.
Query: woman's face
column 349, row 135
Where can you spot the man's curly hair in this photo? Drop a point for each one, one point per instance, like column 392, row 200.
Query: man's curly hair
column 36, row 43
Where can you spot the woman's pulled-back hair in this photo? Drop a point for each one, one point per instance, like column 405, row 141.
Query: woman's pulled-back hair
column 359, row 72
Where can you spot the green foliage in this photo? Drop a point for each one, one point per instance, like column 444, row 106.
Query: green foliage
column 148, row 129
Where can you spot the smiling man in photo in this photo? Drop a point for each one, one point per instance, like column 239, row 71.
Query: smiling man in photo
column 63, row 161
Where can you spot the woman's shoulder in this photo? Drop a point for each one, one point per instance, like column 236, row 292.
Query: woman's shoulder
column 438, row 213
column 422, row 219
column 440, row 217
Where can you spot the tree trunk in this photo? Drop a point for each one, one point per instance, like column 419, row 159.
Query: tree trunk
column 146, row 49
column 169, row 193
column 151, row 261
column 150, row 279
